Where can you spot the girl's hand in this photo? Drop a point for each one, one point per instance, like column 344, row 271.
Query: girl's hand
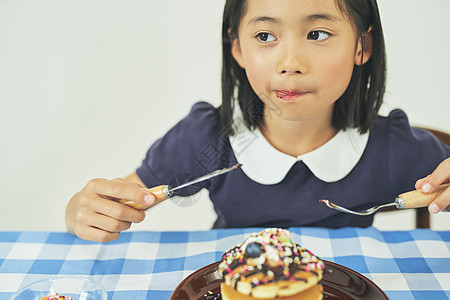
column 428, row 184
column 92, row 213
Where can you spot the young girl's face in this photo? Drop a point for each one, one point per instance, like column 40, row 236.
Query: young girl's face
column 298, row 55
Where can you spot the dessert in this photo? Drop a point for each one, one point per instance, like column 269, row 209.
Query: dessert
column 212, row 296
column 57, row 296
column 270, row 265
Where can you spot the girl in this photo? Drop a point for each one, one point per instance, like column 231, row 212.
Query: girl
column 302, row 83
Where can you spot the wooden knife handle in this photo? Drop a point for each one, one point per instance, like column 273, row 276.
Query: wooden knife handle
column 417, row 198
column 160, row 196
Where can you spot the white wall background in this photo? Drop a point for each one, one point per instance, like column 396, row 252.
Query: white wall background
column 87, row 86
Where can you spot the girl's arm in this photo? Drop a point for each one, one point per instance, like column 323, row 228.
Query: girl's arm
column 428, row 184
column 92, row 213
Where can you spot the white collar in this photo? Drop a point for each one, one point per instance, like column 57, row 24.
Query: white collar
column 264, row 164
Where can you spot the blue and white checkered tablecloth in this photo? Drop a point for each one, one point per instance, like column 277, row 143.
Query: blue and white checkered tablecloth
column 149, row 265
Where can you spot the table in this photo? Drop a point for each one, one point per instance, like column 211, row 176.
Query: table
column 149, row 265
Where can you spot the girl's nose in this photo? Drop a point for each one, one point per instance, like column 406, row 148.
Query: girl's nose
column 291, row 60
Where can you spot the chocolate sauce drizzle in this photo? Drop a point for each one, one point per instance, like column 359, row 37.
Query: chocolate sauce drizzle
column 212, row 296
column 292, row 258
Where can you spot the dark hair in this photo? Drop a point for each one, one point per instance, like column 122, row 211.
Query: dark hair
column 356, row 108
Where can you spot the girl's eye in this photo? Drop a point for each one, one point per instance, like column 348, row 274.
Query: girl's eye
column 265, row 37
column 318, row 35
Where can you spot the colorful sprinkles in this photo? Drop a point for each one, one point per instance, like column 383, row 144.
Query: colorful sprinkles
column 278, row 259
column 57, row 296
column 212, row 296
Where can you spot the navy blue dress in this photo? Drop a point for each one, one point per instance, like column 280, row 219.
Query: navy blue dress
column 396, row 155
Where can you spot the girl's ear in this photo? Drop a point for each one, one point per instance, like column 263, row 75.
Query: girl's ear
column 237, row 53
column 362, row 55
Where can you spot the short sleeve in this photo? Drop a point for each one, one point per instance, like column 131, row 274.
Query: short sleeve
column 413, row 153
column 178, row 156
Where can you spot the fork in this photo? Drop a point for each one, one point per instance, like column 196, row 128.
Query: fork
column 412, row 199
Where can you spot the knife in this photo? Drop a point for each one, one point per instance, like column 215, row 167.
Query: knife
column 164, row 192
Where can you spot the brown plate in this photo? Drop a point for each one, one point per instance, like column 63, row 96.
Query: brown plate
column 338, row 282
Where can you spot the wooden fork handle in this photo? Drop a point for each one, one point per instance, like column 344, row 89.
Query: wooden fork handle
column 417, row 198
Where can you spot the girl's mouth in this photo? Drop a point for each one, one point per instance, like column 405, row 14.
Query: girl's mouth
column 289, row 95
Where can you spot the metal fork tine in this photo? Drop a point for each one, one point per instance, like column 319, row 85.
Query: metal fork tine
column 366, row 212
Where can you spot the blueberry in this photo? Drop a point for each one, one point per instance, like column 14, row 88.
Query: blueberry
column 253, row 250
